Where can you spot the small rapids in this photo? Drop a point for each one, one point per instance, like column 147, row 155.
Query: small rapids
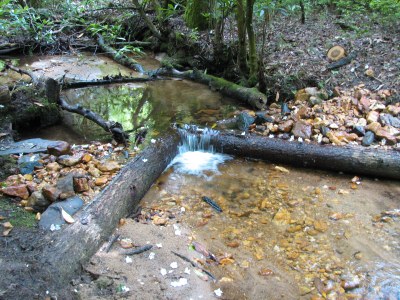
column 197, row 155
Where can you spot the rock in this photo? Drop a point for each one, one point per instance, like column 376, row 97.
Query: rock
column 53, row 167
column 101, row 180
column 68, row 160
column 52, row 215
column 286, row 126
column 332, row 137
column 302, row 95
column 261, row 118
column 66, row 186
column 243, row 121
column 314, row 100
column 285, row 109
column 361, row 122
column 109, row 166
column 27, row 163
column 312, row 91
column 320, row 226
column 372, row 116
column 374, row 127
column 38, row 202
column 86, row 158
column 51, row 193
column 282, row 216
column 393, row 110
column 302, row 129
column 382, row 133
column 387, row 119
column 60, row 148
column 19, row 190
column 324, row 130
column 94, row 171
column 368, row 139
column 363, row 104
column 5, row 96
column 80, row 184
column 359, row 130
column 302, row 113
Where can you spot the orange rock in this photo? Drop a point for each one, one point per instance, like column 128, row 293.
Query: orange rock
column 19, row 190
column 101, row 180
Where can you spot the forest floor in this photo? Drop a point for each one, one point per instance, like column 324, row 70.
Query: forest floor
column 295, row 58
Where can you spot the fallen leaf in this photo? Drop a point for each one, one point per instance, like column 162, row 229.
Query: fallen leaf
column 7, row 225
column 7, row 231
column 66, row 216
column 282, row 169
column 38, row 104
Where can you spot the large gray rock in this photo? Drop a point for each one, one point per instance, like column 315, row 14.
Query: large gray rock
column 27, row 146
column 27, row 163
column 52, row 219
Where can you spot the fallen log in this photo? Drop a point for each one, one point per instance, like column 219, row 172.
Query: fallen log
column 342, row 62
column 84, row 83
column 251, row 96
column 118, row 57
column 349, row 159
column 72, row 247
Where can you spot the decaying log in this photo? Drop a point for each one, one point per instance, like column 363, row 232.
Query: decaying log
column 358, row 160
column 119, row 57
column 114, row 128
column 74, row 245
column 251, row 96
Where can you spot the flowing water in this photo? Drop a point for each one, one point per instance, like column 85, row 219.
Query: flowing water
column 285, row 235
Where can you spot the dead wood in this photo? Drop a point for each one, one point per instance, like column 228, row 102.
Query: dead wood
column 109, row 80
column 72, row 247
column 342, row 62
column 356, row 160
column 251, row 96
column 119, row 57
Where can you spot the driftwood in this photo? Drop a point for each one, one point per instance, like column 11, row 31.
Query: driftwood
column 74, row 245
column 357, row 160
column 251, row 96
column 119, row 57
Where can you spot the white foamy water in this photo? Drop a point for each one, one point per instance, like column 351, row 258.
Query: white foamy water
column 199, row 163
column 196, row 153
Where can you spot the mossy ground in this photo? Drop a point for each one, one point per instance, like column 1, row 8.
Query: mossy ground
column 17, row 216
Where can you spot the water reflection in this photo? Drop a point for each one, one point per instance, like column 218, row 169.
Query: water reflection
column 155, row 105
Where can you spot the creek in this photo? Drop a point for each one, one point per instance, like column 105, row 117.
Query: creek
column 283, row 232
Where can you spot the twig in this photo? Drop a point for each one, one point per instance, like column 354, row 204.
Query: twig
column 111, row 242
column 139, row 250
column 195, row 265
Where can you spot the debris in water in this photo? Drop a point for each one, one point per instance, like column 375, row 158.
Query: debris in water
column 195, row 265
column 180, row 282
column 212, row 203
column 177, row 230
column 163, row 272
column 202, row 250
column 128, row 260
column 282, row 169
column 112, row 240
column 174, row 265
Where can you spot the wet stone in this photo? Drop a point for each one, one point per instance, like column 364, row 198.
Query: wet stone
column 261, row 118
column 302, row 129
column 109, row 166
column 244, row 120
column 51, row 193
column 68, row 160
column 383, row 134
column 52, row 215
column 81, row 184
column 285, row 109
column 286, row 126
column 372, row 116
column 27, row 163
column 5, row 96
column 59, row 148
column 368, row 138
column 359, row 130
column 19, row 190
column 387, row 119
column 66, row 186
column 38, row 202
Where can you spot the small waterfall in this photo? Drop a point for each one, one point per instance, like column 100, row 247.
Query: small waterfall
column 196, row 139
column 197, row 155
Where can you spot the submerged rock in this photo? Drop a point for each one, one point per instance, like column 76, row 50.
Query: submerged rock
column 368, row 138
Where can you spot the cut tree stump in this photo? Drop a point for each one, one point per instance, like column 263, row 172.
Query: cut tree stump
column 72, row 247
column 356, row 160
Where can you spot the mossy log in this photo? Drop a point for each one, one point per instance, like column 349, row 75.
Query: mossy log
column 110, row 80
column 251, row 96
column 72, row 247
column 349, row 159
column 119, row 57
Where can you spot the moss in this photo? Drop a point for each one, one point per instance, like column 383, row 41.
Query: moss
column 7, row 166
column 17, row 216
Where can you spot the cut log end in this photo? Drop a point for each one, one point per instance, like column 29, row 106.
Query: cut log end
column 336, row 52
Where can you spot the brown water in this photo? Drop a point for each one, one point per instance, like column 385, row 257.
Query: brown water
column 289, row 235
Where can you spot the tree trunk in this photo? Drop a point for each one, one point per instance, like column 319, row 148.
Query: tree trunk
column 194, row 14
column 303, row 13
column 241, row 26
column 356, row 160
column 73, row 246
column 252, row 43
column 250, row 96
